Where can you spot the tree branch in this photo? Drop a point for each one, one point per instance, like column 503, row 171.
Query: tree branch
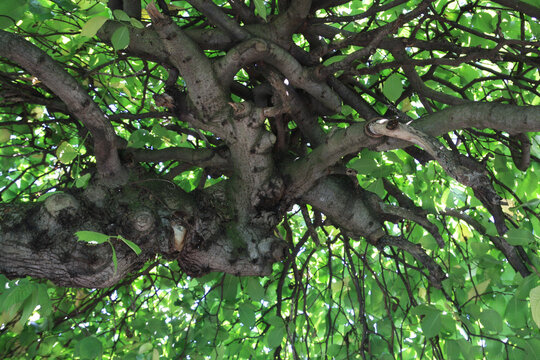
column 204, row 158
column 305, row 171
column 218, row 18
column 79, row 103
column 204, row 89
column 286, row 23
column 38, row 239
column 261, row 50
column 349, row 209
column 521, row 6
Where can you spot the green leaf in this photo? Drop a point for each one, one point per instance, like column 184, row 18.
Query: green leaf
column 66, row 153
column 428, row 242
column 247, row 315
column 525, row 286
column 17, row 295
column 230, row 287
column 452, row 349
column 131, row 244
column 516, row 312
column 136, row 23
column 484, row 22
column 93, row 25
column 92, row 236
column 11, row 12
column 82, row 181
column 520, row 237
column 392, row 87
column 90, row 348
column 28, row 307
column 431, row 324
column 114, row 258
column 261, row 8
column 364, row 165
column 5, row 135
column 535, row 304
column 120, row 38
column 275, row 336
column 255, row 290
column 141, row 137
column 146, row 347
column 491, row 320
column 531, row 346
column 334, row 59
column 157, row 327
column 121, row 15
column 44, row 300
column 479, row 289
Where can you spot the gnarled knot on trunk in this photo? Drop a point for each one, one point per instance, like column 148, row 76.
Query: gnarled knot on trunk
column 143, row 220
column 57, row 203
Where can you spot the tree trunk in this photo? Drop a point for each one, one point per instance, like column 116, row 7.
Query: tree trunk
column 38, row 239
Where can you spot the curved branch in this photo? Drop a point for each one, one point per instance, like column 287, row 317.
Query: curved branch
column 286, row 23
column 348, row 207
column 512, row 253
column 305, row 171
column 420, row 219
column 352, row 98
column 260, row 50
column 38, row 239
column 436, row 274
column 205, row 91
column 521, row 6
column 521, row 157
column 465, row 170
column 475, row 115
column 77, row 100
column 342, row 202
column 195, row 157
column 218, row 18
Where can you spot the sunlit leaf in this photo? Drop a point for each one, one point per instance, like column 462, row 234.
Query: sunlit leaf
column 131, row 244
column 92, row 26
column 92, row 237
column 66, row 153
column 261, row 8
column 120, row 38
column 121, row 15
column 82, row 181
column 535, row 305
column 479, row 289
column 5, row 134
column 393, row 88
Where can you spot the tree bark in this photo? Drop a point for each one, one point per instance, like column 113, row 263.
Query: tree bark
column 197, row 229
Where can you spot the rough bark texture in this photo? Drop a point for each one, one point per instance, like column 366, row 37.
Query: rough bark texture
column 197, row 229
column 264, row 136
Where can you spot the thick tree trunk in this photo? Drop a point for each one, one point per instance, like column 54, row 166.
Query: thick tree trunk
column 38, row 239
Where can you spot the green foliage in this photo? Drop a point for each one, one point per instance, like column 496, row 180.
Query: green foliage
column 392, row 87
column 261, row 8
column 91, row 27
column 334, row 297
column 120, row 38
column 95, row 238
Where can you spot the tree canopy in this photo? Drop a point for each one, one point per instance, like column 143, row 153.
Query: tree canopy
column 309, row 179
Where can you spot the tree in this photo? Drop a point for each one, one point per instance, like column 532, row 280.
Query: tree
column 309, row 179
